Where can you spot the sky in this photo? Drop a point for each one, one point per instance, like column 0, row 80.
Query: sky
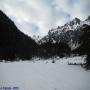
column 37, row 17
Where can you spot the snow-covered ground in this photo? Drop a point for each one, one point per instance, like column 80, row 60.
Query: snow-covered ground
column 45, row 75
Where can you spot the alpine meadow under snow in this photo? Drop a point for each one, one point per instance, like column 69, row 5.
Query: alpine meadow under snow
column 45, row 75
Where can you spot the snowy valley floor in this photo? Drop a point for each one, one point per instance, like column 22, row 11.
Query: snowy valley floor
column 45, row 75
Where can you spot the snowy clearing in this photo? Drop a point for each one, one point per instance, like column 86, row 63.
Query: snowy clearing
column 44, row 75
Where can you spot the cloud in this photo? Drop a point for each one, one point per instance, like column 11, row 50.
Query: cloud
column 38, row 16
column 76, row 8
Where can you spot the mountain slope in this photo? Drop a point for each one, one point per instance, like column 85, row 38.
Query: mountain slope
column 14, row 43
column 69, row 33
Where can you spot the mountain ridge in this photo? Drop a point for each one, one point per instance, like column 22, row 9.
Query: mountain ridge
column 69, row 33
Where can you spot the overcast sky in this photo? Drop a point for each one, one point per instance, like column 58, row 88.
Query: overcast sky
column 38, row 16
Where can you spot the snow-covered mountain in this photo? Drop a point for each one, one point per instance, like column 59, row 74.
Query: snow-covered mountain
column 36, row 38
column 69, row 33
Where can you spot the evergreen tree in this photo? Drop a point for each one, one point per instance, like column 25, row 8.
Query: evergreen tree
column 85, row 46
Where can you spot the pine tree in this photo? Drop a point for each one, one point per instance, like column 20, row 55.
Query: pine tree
column 85, row 46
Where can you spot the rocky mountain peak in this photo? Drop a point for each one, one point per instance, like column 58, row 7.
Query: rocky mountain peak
column 75, row 21
column 88, row 19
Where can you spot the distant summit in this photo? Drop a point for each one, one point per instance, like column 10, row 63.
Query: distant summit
column 74, row 22
column 88, row 19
